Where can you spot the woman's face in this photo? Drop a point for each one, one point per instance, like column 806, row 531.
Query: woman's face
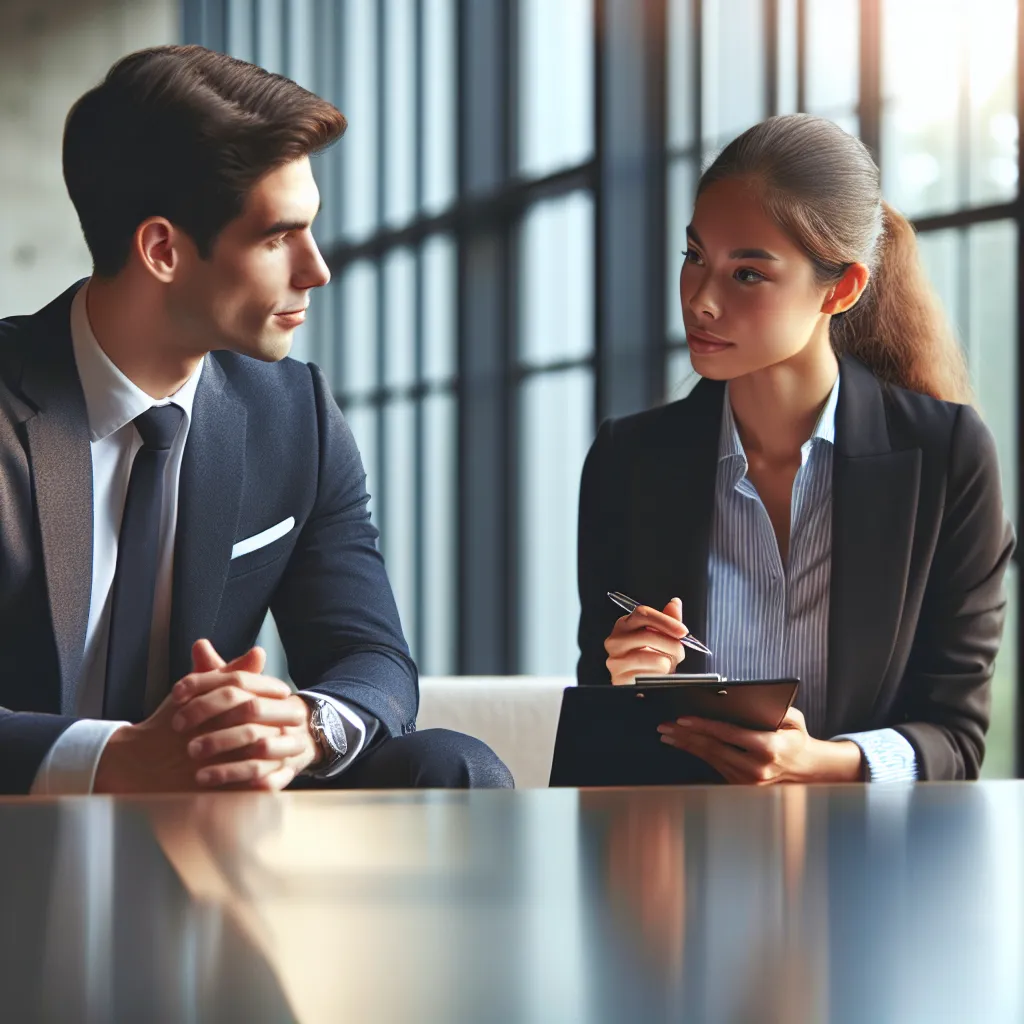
column 749, row 295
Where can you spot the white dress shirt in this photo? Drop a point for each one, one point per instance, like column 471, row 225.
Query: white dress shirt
column 768, row 619
column 112, row 402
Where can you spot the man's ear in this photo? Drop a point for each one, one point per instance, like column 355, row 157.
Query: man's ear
column 158, row 246
column 843, row 295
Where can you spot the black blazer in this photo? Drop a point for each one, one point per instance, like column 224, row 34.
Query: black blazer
column 920, row 542
column 266, row 441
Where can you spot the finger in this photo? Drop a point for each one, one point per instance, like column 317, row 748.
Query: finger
column 234, row 773
column 622, row 646
column 638, row 663
column 725, row 732
column 674, row 609
column 239, row 705
column 648, row 618
column 277, row 780
column 734, row 764
column 268, row 742
column 198, row 683
column 794, row 720
column 205, row 657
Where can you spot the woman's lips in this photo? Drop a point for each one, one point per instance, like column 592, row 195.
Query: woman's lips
column 702, row 344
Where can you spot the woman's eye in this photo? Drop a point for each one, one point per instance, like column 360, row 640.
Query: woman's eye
column 747, row 276
column 691, row 256
column 276, row 243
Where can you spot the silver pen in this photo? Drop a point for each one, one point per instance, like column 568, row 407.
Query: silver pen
column 629, row 605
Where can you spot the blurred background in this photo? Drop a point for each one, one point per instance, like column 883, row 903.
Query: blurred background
column 504, row 221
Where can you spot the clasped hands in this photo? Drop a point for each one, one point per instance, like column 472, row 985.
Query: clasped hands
column 223, row 726
column 647, row 642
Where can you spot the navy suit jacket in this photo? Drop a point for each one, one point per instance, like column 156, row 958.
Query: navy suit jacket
column 267, row 441
column 920, row 543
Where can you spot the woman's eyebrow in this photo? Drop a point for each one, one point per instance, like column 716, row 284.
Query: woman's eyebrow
column 736, row 254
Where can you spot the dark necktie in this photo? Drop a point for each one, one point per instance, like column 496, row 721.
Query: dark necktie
column 131, row 606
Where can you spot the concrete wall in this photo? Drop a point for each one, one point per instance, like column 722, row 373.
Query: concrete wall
column 51, row 51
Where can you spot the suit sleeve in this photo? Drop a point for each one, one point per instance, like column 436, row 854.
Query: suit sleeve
column 602, row 530
column 948, row 680
column 25, row 740
column 334, row 607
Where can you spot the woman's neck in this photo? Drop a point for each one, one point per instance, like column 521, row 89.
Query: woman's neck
column 776, row 408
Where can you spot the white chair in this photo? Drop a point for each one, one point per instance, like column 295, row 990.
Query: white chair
column 516, row 716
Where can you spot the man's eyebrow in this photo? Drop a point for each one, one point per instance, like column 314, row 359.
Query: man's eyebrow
column 282, row 227
column 736, row 254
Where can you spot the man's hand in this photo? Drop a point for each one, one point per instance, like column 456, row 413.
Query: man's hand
column 790, row 754
column 255, row 732
column 153, row 757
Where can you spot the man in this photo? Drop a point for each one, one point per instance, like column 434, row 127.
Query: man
column 166, row 475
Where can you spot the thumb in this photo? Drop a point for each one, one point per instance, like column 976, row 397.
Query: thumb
column 206, row 659
column 674, row 609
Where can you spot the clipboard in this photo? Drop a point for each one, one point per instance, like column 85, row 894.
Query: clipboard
column 607, row 735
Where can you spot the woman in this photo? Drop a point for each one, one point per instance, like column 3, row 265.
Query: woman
column 821, row 504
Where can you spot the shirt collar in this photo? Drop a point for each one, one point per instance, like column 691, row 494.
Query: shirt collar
column 729, row 443
column 111, row 399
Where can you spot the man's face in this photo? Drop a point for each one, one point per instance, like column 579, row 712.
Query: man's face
column 252, row 292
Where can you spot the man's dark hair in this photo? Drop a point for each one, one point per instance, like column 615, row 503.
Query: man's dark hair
column 182, row 132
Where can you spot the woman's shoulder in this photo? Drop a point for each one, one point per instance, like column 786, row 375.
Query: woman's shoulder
column 923, row 421
column 698, row 411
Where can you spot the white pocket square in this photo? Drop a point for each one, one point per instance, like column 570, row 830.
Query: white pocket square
column 261, row 540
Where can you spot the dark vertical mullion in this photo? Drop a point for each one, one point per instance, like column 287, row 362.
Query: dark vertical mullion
column 286, row 29
column 597, row 85
column 801, row 55
column 461, row 341
column 379, row 21
column 628, row 254
column 870, row 88
column 419, row 454
column 656, row 108
column 510, row 321
column 484, row 623
column 698, row 80
column 1019, row 623
column 771, row 61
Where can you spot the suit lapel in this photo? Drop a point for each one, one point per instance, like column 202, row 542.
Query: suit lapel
column 61, row 465
column 209, row 496
column 673, row 503
column 874, row 508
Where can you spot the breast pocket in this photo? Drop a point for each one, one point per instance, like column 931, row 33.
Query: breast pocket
column 261, row 548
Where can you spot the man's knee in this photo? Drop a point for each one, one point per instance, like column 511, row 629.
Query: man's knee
column 452, row 760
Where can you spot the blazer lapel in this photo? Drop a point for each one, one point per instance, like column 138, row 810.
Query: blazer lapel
column 680, row 492
column 61, row 465
column 209, row 496
column 874, row 508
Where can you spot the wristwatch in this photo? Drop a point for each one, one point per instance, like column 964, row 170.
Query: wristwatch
column 328, row 729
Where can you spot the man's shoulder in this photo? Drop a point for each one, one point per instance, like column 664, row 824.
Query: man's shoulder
column 248, row 376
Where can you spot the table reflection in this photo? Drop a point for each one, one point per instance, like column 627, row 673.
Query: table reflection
column 721, row 904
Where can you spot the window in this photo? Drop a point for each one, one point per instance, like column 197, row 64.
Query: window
column 504, row 221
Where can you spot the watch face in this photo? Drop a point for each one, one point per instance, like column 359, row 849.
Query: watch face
column 333, row 727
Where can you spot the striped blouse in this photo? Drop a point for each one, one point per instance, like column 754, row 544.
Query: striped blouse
column 768, row 620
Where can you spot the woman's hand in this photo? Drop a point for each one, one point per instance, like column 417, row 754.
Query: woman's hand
column 788, row 755
column 646, row 643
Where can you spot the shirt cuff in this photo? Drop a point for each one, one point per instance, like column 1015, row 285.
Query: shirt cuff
column 355, row 735
column 888, row 755
column 69, row 768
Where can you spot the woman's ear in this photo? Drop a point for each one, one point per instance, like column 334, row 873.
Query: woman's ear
column 843, row 295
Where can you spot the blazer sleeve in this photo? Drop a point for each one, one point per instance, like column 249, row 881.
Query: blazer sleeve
column 949, row 673
column 334, row 608
column 25, row 740
column 600, row 553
